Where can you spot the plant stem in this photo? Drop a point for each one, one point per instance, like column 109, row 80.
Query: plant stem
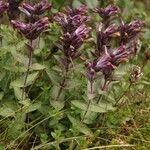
column 103, row 88
column 88, row 106
column 89, row 102
column 63, row 82
column 61, row 88
column 99, row 98
column 27, row 72
column 124, row 93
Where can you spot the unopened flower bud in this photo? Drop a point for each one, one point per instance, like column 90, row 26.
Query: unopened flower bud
column 135, row 74
column 32, row 30
column 107, row 12
column 37, row 9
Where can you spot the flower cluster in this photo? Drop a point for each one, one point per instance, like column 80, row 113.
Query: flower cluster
column 37, row 9
column 34, row 27
column 107, row 13
column 33, row 12
column 31, row 30
column 107, row 58
column 109, row 61
column 104, row 37
column 131, row 30
column 74, row 30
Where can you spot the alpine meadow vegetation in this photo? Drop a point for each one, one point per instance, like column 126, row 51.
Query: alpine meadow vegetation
column 74, row 75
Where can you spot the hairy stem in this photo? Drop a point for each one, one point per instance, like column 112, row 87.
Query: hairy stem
column 103, row 88
column 61, row 88
column 27, row 72
column 62, row 84
column 89, row 102
column 124, row 93
column 88, row 106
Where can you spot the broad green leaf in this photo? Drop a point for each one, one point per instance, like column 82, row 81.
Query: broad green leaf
column 20, row 82
column 72, row 84
column 33, row 107
column 90, row 117
column 57, row 104
column 76, row 4
column 37, row 66
column 20, row 58
column 55, row 92
column 25, row 102
column 52, row 75
column 8, row 33
column 8, row 107
column 6, row 112
column 80, row 126
column 18, row 93
column 102, row 108
column 92, row 3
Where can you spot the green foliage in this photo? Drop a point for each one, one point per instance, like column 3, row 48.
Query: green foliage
column 43, row 122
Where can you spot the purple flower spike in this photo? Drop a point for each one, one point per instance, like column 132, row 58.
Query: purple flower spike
column 104, row 63
column 37, row 9
column 120, row 55
column 80, row 34
column 136, row 25
column 28, row 8
column 19, row 25
column 104, row 38
column 131, row 30
column 74, row 30
column 110, row 30
column 107, row 12
column 72, row 18
column 68, row 23
column 71, row 42
column 3, row 7
column 31, row 31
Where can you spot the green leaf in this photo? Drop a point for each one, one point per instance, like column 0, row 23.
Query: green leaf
column 8, row 108
column 25, row 102
column 72, row 84
column 102, row 108
column 18, row 93
column 20, row 58
column 80, row 126
column 6, row 112
column 55, row 91
column 92, row 3
column 37, row 66
column 20, row 82
column 90, row 117
column 52, row 75
column 33, row 107
column 57, row 104
column 76, row 4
